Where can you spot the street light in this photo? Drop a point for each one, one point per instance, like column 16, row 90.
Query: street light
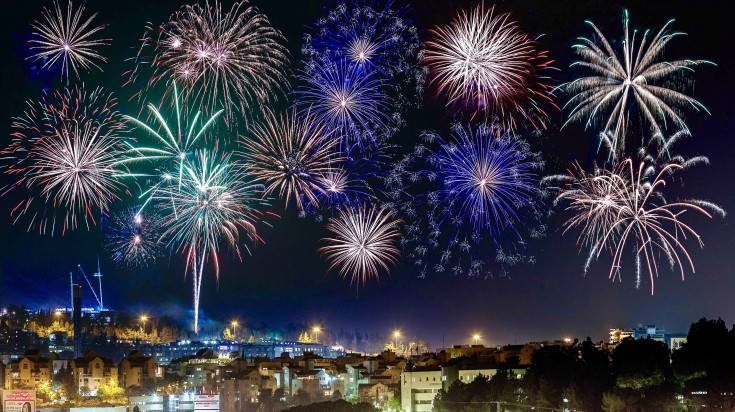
column 476, row 337
column 316, row 330
column 234, row 329
column 143, row 320
column 396, row 334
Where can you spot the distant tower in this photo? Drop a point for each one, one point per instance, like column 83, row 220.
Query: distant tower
column 77, row 318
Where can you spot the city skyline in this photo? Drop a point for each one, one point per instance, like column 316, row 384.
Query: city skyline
column 286, row 280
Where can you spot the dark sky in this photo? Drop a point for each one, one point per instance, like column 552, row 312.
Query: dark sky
column 286, row 281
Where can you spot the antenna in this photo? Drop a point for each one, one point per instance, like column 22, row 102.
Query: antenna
column 98, row 275
column 99, row 301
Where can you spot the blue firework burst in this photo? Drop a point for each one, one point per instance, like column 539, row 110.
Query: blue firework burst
column 347, row 99
column 374, row 39
column 472, row 201
column 486, row 179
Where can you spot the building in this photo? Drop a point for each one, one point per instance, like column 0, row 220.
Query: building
column 617, row 335
column 167, row 352
column 28, row 371
column 77, row 320
column 648, row 332
column 377, row 394
column 673, row 340
column 137, row 370
column 419, row 388
column 92, row 371
column 244, row 388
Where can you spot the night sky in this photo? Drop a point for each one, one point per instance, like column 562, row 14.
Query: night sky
column 284, row 280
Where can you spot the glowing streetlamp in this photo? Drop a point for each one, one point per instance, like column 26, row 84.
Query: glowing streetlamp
column 234, row 329
column 316, row 331
column 143, row 320
column 476, row 337
column 396, row 334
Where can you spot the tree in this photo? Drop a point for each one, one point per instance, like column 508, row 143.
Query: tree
column 45, row 392
column 706, row 363
column 641, row 363
column 305, row 338
column 228, row 335
column 111, row 392
column 550, row 373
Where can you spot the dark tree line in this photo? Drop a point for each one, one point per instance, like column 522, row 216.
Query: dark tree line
column 638, row 375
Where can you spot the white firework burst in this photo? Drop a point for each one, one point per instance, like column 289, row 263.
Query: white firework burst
column 67, row 38
column 364, row 242
column 636, row 77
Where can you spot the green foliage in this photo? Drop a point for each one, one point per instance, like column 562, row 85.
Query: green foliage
column 641, row 363
column 480, row 393
column 334, row 406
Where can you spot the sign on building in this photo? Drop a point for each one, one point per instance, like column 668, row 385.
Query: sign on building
column 19, row 400
column 206, row 402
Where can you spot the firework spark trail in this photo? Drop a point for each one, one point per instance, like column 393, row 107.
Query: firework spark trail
column 133, row 237
column 485, row 62
column 64, row 154
column 213, row 205
column 67, row 38
column 292, row 154
column 630, row 212
column 233, row 59
column 364, row 243
column 638, row 76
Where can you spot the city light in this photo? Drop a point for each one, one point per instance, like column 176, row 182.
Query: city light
column 234, row 329
column 316, row 331
column 476, row 337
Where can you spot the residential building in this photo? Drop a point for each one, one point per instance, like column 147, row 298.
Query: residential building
column 28, row 371
column 377, row 394
column 92, row 371
column 137, row 370
column 419, row 388
column 617, row 335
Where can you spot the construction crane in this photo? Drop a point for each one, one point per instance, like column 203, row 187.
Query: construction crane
column 98, row 275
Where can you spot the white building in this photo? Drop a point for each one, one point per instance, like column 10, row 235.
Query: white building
column 419, row 388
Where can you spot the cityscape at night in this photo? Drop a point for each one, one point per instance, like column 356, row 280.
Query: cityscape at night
column 367, row 205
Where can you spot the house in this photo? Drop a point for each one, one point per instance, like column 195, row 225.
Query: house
column 28, row 371
column 377, row 394
column 137, row 370
column 92, row 371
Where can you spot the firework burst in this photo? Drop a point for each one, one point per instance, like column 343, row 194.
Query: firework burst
column 375, row 39
column 133, row 237
column 364, row 243
column 624, row 209
column 65, row 152
column 234, row 59
column 637, row 77
column 213, row 205
column 66, row 38
column 484, row 61
column 172, row 144
column 291, row 155
column 466, row 199
column 487, row 178
column 346, row 99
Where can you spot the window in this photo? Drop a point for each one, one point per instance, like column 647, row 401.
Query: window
column 25, row 366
